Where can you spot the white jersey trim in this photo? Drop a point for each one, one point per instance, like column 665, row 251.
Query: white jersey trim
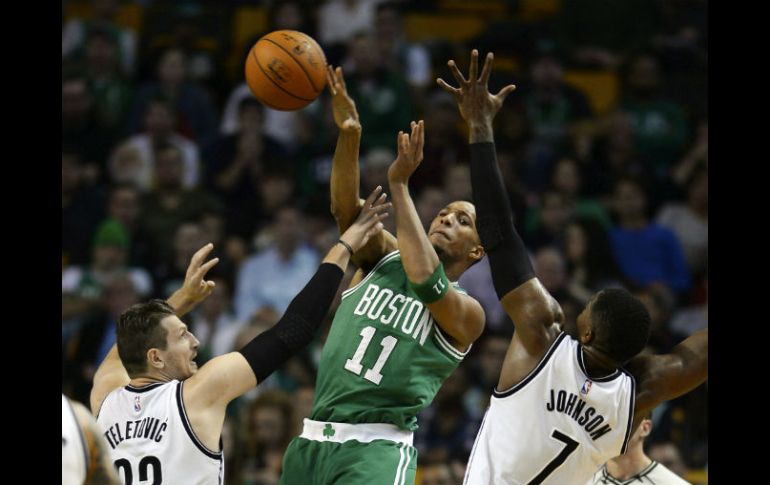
column 388, row 257
column 458, row 288
column 215, row 455
column 607, row 478
column 631, row 412
column 534, row 372
column 444, row 343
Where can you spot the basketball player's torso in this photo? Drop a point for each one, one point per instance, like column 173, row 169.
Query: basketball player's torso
column 556, row 426
column 385, row 356
column 150, row 437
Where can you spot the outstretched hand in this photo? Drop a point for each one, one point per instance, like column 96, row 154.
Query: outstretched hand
column 195, row 287
column 477, row 105
column 369, row 220
column 343, row 106
column 409, row 153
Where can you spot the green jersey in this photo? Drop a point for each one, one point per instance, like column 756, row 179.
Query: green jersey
column 385, row 357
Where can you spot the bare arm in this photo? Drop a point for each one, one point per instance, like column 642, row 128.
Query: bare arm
column 100, row 468
column 207, row 393
column 664, row 377
column 226, row 377
column 458, row 315
column 111, row 374
column 345, row 179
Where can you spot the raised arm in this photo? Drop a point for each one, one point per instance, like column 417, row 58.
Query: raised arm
column 458, row 315
column 226, row 377
column 111, row 374
column 345, row 179
column 664, row 377
column 532, row 310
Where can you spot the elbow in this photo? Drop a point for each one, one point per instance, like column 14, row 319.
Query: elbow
column 344, row 216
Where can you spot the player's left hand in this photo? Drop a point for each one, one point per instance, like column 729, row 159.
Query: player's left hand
column 409, row 153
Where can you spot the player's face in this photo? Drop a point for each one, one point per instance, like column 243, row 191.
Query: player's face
column 453, row 231
column 181, row 349
column 582, row 322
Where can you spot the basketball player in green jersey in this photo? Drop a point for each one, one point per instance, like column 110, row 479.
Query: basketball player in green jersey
column 401, row 329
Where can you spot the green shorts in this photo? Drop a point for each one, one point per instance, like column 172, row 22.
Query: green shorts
column 379, row 462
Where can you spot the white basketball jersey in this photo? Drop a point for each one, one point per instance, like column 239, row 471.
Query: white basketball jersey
column 151, row 440
column 74, row 451
column 654, row 474
column 555, row 427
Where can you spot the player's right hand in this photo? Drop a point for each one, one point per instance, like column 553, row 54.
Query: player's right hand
column 195, row 287
column 343, row 106
column 477, row 105
column 369, row 220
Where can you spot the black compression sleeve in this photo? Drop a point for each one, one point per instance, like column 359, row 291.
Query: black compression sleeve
column 508, row 257
column 270, row 349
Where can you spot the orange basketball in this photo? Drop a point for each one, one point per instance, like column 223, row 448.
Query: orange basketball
column 286, row 70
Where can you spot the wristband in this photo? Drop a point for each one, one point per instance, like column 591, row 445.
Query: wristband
column 432, row 289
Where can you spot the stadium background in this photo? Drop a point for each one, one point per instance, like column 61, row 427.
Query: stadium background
column 604, row 147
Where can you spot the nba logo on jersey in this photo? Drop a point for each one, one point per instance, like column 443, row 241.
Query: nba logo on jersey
column 586, row 387
column 137, row 404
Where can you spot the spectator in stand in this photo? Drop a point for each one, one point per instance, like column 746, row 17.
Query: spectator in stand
column 197, row 116
column 382, row 97
column 659, row 125
column 268, row 427
column 590, row 263
column 82, row 286
column 76, row 31
column 82, row 131
column 270, row 277
column 142, row 150
column 410, row 59
column 646, row 252
column 690, row 221
column 554, row 110
column 82, row 208
column 171, row 202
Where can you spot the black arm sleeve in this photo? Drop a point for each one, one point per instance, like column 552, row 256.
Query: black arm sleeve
column 270, row 349
column 508, row 257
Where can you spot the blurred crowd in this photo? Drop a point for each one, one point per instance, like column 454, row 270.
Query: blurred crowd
column 604, row 148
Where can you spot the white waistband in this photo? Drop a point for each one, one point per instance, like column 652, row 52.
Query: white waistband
column 365, row 432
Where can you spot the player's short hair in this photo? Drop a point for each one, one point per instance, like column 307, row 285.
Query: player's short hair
column 621, row 324
column 139, row 330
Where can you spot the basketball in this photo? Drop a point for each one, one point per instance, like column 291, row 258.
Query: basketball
column 286, row 70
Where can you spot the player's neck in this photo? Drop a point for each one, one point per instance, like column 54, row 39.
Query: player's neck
column 628, row 465
column 597, row 364
column 146, row 380
column 452, row 269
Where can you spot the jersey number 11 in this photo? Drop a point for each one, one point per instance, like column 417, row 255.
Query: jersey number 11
column 354, row 364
